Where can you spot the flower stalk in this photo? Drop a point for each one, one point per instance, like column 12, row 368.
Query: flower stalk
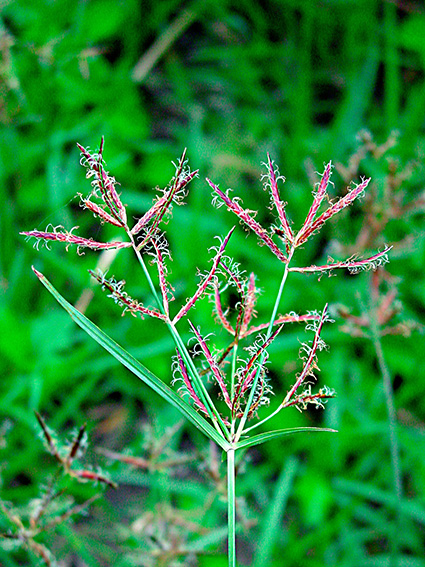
column 222, row 405
column 231, row 508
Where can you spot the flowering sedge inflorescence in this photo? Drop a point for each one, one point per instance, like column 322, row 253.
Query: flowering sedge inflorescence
column 54, row 506
column 245, row 387
column 73, row 451
column 386, row 204
column 312, row 223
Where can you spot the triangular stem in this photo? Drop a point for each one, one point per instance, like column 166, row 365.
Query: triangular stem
column 231, row 508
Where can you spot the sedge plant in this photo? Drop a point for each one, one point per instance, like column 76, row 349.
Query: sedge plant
column 221, row 392
column 54, row 505
column 381, row 315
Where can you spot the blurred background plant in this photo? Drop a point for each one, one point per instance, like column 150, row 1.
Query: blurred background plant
column 53, row 507
column 230, row 81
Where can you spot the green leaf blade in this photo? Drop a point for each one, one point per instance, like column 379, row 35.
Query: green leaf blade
column 127, row 360
column 263, row 437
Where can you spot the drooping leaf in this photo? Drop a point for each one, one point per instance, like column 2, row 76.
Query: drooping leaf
column 127, row 360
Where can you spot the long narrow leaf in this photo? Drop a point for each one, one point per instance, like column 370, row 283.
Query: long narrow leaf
column 127, row 360
column 263, row 437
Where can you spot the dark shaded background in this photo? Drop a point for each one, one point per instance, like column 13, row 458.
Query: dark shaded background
column 229, row 81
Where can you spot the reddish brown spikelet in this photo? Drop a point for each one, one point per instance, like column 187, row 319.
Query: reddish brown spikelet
column 218, row 375
column 111, row 196
column 102, row 143
column 239, row 322
column 232, row 271
column 236, row 408
column 318, row 197
column 280, row 206
column 103, row 183
column 76, row 444
column 163, row 285
column 353, row 264
column 189, row 386
column 245, row 383
column 258, row 352
column 243, row 387
column 219, row 312
column 159, row 209
column 100, row 212
column 159, row 205
column 307, row 397
column 41, row 551
column 137, row 462
column 249, row 304
column 67, row 236
column 310, row 362
column 91, row 162
column 246, row 218
column 205, row 282
column 387, row 309
column 261, row 390
column 307, row 231
column 51, row 445
column 122, row 298
column 283, row 319
column 87, row 475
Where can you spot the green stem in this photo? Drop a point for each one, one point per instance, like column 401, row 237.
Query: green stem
column 232, row 386
column 200, row 387
column 231, row 508
column 268, row 334
column 393, row 439
column 201, row 390
column 234, row 361
column 148, row 277
column 276, row 411
column 392, row 426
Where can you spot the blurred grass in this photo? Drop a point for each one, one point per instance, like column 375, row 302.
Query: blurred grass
column 298, row 80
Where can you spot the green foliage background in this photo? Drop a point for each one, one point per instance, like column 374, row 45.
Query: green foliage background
column 230, row 81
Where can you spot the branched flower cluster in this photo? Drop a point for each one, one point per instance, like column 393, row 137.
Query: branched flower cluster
column 52, row 508
column 382, row 208
column 240, row 381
